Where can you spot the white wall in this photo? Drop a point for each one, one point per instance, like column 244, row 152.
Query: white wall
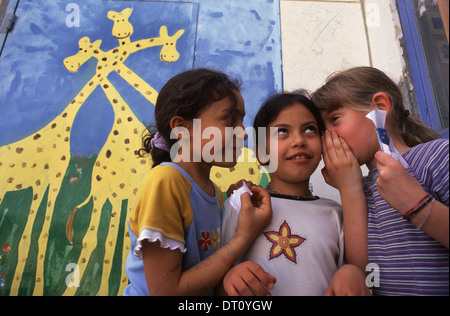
column 321, row 37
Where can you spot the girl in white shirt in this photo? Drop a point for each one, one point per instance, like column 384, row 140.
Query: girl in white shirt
column 302, row 247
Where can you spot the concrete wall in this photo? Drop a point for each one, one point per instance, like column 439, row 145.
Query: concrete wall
column 321, row 37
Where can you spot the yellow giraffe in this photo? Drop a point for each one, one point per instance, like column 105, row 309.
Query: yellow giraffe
column 116, row 175
column 40, row 161
column 117, row 171
column 123, row 29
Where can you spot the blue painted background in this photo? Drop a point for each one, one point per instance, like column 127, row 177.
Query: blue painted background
column 241, row 38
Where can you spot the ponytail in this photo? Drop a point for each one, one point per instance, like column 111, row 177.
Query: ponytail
column 158, row 155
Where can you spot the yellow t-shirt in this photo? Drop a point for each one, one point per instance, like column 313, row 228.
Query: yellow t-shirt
column 172, row 209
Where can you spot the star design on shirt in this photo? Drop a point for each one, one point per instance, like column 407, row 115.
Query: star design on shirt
column 284, row 242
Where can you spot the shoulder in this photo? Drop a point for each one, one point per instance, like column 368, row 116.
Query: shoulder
column 429, row 164
column 330, row 203
column 436, row 149
column 219, row 195
column 433, row 155
column 164, row 178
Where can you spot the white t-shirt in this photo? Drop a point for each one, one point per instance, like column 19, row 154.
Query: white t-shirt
column 303, row 246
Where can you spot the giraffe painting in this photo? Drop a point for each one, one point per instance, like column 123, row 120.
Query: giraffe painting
column 70, row 126
column 47, row 153
column 117, row 171
column 39, row 161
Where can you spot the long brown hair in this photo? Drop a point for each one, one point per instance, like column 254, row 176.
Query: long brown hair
column 357, row 86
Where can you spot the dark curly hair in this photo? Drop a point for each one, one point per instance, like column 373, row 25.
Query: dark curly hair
column 185, row 95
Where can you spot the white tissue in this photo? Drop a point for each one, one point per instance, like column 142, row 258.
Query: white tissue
column 235, row 198
column 378, row 117
column 230, row 214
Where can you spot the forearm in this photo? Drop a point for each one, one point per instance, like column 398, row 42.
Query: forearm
column 205, row 276
column 165, row 276
column 354, row 207
column 434, row 220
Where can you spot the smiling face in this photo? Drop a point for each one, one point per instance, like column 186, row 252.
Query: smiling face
column 299, row 149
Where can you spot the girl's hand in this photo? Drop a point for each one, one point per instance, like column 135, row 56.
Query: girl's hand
column 348, row 281
column 402, row 191
column 248, row 279
column 236, row 186
column 342, row 170
column 256, row 213
column 396, row 185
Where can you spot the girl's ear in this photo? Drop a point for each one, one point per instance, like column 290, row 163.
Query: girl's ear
column 180, row 126
column 382, row 101
column 177, row 121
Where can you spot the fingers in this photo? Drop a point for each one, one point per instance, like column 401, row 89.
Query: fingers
column 336, row 148
column 260, row 193
column 264, row 278
column 249, row 280
column 330, row 291
column 346, row 148
column 332, row 144
column 236, row 186
column 383, row 159
column 231, row 189
column 246, row 201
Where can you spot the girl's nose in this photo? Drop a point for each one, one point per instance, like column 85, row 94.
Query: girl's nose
column 298, row 140
column 244, row 134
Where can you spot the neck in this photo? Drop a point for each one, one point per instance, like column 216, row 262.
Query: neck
column 124, row 41
column 200, row 173
column 291, row 189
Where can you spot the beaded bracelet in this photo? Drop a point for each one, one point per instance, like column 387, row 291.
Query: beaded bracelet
column 428, row 215
column 418, row 208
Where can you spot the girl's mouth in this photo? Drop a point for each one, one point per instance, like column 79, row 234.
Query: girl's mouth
column 299, row 156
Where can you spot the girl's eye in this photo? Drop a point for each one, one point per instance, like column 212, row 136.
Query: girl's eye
column 311, row 129
column 334, row 118
column 282, row 131
column 229, row 118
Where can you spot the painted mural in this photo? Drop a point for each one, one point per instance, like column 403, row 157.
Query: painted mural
column 78, row 86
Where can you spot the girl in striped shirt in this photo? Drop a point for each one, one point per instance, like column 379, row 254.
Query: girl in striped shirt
column 397, row 219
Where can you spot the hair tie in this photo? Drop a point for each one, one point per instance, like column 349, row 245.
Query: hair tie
column 159, row 142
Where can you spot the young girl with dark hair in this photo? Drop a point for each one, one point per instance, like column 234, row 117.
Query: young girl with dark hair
column 396, row 218
column 302, row 248
column 176, row 218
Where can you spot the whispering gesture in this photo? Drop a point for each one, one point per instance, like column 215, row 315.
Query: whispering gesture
column 341, row 169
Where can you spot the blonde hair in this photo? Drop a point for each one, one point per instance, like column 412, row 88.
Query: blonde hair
column 357, row 86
